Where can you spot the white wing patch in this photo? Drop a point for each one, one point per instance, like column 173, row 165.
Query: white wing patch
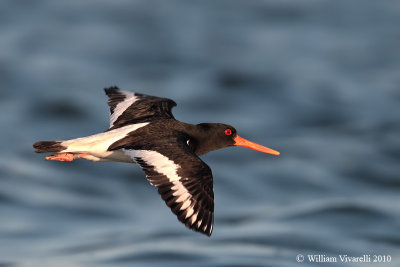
column 130, row 98
column 189, row 211
column 168, row 168
column 187, row 203
column 161, row 163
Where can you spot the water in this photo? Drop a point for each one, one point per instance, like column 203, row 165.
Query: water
column 316, row 80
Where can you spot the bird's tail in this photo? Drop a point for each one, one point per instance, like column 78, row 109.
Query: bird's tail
column 48, row 147
column 68, row 150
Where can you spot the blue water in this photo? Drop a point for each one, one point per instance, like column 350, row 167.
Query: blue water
column 317, row 80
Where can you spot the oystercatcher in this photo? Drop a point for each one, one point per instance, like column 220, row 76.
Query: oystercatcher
column 144, row 131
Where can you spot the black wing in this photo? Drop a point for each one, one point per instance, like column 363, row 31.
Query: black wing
column 184, row 182
column 129, row 108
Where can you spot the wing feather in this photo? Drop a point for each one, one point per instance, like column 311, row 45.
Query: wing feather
column 187, row 187
column 130, row 108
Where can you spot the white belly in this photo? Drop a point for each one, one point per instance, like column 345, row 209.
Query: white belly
column 95, row 147
column 117, row 155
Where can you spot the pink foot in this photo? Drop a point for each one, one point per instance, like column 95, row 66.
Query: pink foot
column 66, row 156
column 82, row 155
column 61, row 157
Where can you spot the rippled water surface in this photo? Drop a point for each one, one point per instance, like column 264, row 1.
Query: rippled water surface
column 317, row 80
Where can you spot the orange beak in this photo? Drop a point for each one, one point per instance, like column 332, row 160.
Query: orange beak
column 239, row 141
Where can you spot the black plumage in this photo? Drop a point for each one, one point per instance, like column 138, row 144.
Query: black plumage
column 144, row 131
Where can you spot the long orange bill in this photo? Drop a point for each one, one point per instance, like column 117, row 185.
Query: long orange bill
column 239, row 141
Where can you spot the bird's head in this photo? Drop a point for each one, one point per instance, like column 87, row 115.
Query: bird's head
column 217, row 135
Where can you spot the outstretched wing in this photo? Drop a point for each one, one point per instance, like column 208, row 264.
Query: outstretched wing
column 184, row 182
column 129, row 108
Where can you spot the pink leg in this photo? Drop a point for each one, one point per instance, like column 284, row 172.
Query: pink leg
column 66, row 156
column 82, row 155
column 61, row 157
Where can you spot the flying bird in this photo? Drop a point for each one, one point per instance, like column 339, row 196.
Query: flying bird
column 144, row 131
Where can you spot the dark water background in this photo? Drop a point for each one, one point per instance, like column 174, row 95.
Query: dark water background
column 317, row 80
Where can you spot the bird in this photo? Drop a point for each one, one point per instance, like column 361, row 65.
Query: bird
column 143, row 130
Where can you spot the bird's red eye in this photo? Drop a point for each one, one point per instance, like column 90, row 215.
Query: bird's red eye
column 228, row 131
